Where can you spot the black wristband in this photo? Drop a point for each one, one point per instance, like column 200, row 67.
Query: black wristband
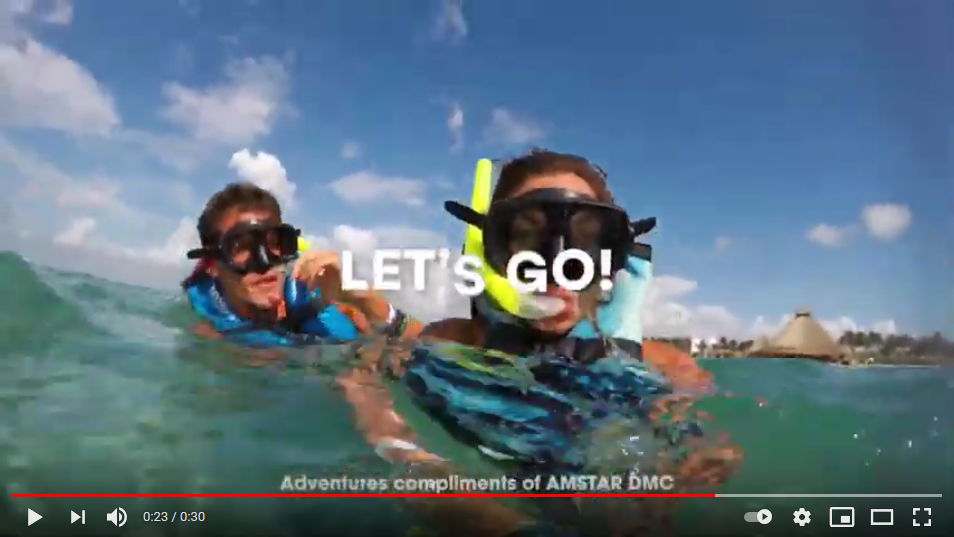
column 398, row 325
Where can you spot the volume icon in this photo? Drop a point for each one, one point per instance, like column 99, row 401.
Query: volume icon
column 117, row 517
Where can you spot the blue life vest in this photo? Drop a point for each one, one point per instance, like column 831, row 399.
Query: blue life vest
column 529, row 402
column 308, row 320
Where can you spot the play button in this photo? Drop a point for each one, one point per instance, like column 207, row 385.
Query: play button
column 764, row 516
column 32, row 517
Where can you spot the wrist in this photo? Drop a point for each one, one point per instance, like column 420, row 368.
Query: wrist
column 374, row 307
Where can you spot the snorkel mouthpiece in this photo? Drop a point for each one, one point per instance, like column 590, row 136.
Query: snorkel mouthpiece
column 536, row 307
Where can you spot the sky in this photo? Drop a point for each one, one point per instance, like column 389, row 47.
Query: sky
column 796, row 154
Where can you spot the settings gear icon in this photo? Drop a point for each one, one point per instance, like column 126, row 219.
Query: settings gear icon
column 802, row 516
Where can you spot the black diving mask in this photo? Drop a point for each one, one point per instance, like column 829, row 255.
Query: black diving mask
column 253, row 247
column 550, row 221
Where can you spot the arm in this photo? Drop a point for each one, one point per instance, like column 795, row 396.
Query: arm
column 457, row 330
column 363, row 389
column 379, row 312
column 207, row 331
column 379, row 423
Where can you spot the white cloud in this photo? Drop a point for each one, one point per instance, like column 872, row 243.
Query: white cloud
column 723, row 243
column 829, row 235
column 450, row 24
column 172, row 252
column 234, row 112
column 455, row 125
column 77, row 232
column 886, row 221
column 664, row 314
column 42, row 88
column 94, row 194
column 42, row 180
column 51, row 12
column 266, row 171
column 507, row 129
column 667, row 314
column 350, row 150
column 885, row 327
column 883, row 221
column 836, row 326
column 60, row 13
column 368, row 187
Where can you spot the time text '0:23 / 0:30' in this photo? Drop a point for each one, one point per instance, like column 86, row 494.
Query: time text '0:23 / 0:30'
column 173, row 516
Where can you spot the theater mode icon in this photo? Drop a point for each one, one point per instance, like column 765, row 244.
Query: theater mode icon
column 882, row 517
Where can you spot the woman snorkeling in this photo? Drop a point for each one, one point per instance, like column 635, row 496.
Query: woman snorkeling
column 579, row 344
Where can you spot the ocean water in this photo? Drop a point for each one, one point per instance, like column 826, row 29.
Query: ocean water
column 102, row 392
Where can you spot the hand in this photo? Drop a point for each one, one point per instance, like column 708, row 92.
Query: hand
column 320, row 270
column 680, row 368
column 398, row 451
column 709, row 467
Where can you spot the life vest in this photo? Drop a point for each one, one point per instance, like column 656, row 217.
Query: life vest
column 518, row 400
column 308, row 319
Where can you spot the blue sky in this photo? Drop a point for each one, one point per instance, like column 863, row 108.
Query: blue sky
column 758, row 133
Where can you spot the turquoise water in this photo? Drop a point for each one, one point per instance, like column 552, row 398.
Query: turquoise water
column 102, row 392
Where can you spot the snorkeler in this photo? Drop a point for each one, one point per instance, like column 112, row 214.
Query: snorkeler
column 253, row 286
column 544, row 202
column 548, row 202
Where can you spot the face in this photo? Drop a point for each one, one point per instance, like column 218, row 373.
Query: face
column 573, row 312
column 261, row 291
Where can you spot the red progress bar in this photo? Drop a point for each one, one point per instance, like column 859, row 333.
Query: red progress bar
column 363, row 495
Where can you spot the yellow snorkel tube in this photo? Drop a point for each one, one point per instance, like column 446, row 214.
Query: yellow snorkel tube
column 503, row 294
column 303, row 245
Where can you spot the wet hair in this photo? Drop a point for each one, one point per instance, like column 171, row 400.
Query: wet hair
column 541, row 162
column 243, row 196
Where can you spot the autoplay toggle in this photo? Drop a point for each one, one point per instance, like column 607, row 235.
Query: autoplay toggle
column 763, row 516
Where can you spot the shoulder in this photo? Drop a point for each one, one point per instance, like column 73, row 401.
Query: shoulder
column 458, row 330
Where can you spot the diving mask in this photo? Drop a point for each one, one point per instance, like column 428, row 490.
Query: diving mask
column 548, row 222
column 501, row 294
column 253, row 247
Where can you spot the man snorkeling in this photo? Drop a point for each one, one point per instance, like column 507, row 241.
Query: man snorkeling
column 545, row 202
column 252, row 285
